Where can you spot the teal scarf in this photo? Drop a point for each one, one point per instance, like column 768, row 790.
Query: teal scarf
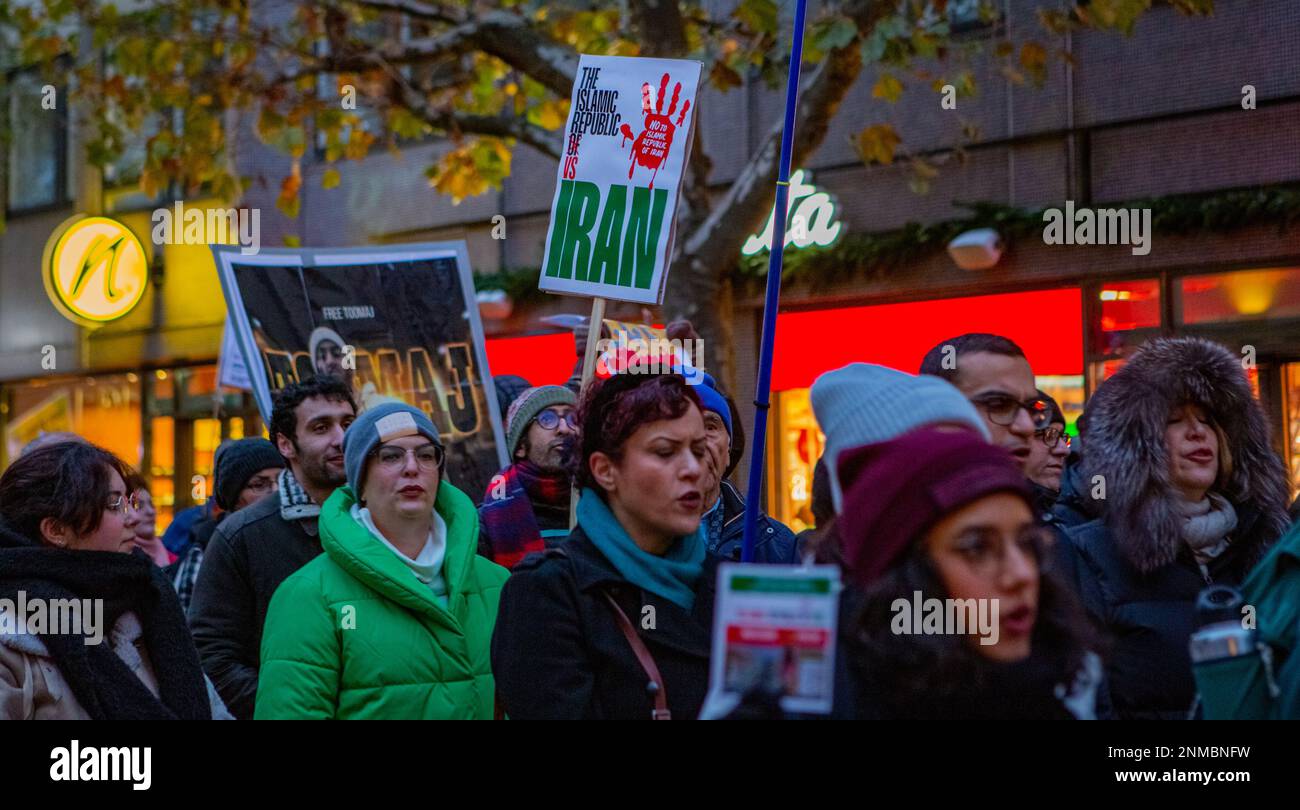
column 672, row 576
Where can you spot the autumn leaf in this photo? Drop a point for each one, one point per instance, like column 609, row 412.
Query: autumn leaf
column 877, row 144
column 405, row 124
column 330, row 179
column 1118, row 14
column 759, row 15
column 723, row 77
column 359, row 143
column 289, row 202
column 456, row 176
column 1054, row 21
column 292, row 240
column 269, row 124
column 833, row 32
column 922, row 174
column 1033, row 58
column 925, row 44
column 887, row 87
column 151, row 182
column 164, row 56
column 965, row 84
column 552, row 113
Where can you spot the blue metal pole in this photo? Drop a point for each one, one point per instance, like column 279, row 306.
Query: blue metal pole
column 773, row 298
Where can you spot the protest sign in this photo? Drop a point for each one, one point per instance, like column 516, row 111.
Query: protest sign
column 627, row 142
column 399, row 323
column 774, row 626
column 231, row 371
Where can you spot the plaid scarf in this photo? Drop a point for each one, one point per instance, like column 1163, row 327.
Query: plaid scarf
column 296, row 504
column 509, row 519
column 187, row 573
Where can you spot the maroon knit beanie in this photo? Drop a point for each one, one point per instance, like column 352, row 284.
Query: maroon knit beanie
column 896, row 490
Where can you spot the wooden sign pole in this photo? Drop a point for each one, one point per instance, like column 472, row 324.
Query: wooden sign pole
column 588, row 370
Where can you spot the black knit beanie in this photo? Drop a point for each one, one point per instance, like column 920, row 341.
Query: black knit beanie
column 238, row 461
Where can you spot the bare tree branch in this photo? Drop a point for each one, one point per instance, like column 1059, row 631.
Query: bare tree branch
column 508, row 36
column 660, row 26
column 517, row 42
column 421, row 51
column 434, row 12
column 502, row 125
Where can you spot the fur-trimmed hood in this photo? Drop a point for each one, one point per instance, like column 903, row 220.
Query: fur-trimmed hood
column 1125, row 443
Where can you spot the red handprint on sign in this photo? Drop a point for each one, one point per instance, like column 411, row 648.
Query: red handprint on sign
column 650, row 148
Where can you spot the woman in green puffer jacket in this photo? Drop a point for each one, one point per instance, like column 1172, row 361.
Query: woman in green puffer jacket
column 395, row 619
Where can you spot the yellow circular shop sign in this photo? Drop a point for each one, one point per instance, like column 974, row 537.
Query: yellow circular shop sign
column 95, row 269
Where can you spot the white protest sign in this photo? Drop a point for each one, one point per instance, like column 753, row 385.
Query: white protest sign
column 231, row 371
column 627, row 143
column 774, row 627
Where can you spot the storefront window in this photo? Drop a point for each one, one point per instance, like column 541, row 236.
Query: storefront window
column 189, row 417
column 1067, row 390
column 1102, row 370
column 1291, row 407
column 167, row 423
column 1243, row 295
column 1122, row 316
column 800, row 445
column 1127, row 309
column 162, row 465
column 104, row 410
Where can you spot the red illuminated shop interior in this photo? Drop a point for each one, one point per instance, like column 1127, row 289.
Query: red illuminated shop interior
column 1047, row 324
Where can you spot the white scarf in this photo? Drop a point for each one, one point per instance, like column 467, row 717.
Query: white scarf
column 427, row 565
column 1206, row 525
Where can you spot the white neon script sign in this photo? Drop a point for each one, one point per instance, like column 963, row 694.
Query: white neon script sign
column 811, row 220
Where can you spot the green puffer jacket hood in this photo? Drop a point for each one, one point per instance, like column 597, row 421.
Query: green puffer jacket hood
column 354, row 634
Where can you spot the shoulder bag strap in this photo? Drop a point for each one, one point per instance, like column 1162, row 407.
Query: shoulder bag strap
column 643, row 656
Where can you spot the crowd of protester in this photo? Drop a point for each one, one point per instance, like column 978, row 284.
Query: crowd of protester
column 337, row 573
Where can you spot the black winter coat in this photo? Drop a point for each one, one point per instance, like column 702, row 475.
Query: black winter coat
column 1149, row 618
column 250, row 554
column 558, row 653
column 1074, row 505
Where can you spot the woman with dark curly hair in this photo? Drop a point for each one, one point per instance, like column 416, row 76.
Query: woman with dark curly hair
column 615, row 622
column 947, row 611
column 121, row 649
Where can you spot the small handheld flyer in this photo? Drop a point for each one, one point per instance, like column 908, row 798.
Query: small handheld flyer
column 774, row 626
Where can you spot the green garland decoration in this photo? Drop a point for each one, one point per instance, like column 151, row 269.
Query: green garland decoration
column 871, row 255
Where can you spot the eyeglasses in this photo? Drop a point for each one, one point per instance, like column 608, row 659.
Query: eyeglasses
column 550, row 420
column 118, row 504
column 1052, row 435
column 428, row 457
column 986, row 554
column 260, row 484
column 1001, row 409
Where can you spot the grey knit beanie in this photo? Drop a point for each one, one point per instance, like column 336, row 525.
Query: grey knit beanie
column 863, row 403
column 382, row 423
column 527, row 405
